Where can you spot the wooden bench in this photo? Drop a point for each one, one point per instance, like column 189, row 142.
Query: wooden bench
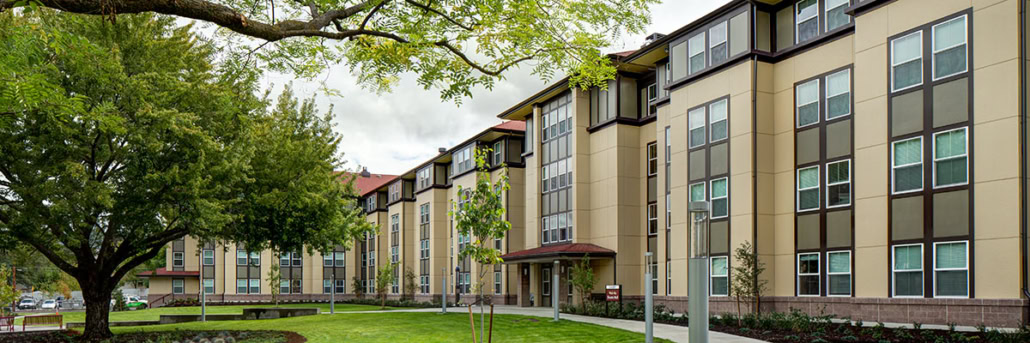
column 43, row 320
column 7, row 323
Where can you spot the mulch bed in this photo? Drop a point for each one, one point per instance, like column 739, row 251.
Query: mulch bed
column 69, row 336
column 842, row 333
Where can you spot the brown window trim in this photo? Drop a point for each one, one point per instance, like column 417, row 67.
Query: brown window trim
column 707, row 180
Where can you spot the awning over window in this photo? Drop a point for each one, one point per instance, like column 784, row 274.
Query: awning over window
column 550, row 253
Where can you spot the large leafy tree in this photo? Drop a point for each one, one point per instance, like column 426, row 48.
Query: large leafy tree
column 448, row 44
column 117, row 138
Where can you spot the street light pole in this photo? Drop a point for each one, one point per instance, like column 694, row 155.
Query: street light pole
column 554, row 290
column 648, row 300
column 697, row 282
column 443, row 291
column 203, row 291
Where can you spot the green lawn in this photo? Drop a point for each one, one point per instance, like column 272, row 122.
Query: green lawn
column 415, row 327
column 155, row 313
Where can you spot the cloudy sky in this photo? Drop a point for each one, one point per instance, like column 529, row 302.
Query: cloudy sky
column 391, row 133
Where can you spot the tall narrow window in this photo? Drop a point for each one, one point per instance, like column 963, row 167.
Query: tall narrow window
column 807, row 101
column 949, row 48
column 717, row 120
column 530, row 143
column 908, row 165
column 838, row 272
column 298, row 259
column 949, row 158
column 951, row 269
column 907, row 61
column 808, row 189
column 696, row 47
column 652, row 219
column 808, row 274
column 717, row 43
column 835, row 15
column 838, row 94
column 652, row 159
column 720, row 282
column 838, row 183
column 544, row 233
column 720, row 201
column 497, row 282
column 696, row 121
column 498, row 152
column 327, row 286
column 807, row 19
column 908, row 270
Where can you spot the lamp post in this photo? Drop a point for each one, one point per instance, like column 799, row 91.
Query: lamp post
column 697, row 285
column 443, row 291
column 648, row 300
column 554, row 290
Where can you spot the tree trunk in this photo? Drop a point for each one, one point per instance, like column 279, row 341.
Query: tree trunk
column 98, row 307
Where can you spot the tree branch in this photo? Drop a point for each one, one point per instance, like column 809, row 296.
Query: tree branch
column 441, row 14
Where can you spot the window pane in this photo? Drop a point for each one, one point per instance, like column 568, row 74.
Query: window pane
column 908, row 152
column 720, row 208
column 838, row 105
column 952, row 283
column 950, row 144
column 840, row 284
column 908, row 178
column 717, row 34
column 906, row 48
column 720, row 286
column 697, row 192
column 835, row 17
column 808, row 29
column 808, row 263
column 839, row 195
column 840, row 262
column 808, row 103
column 951, row 255
column 838, row 172
column 808, row 178
column 807, row 9
column 949, row 34
column 908, row 257
column 808, row 92
column 951, row 61
column 808, row 285
column 719, row 266
column 719, row 188
column 908, row 283
column 908, row 74
column 951, row 172
column 718, row 53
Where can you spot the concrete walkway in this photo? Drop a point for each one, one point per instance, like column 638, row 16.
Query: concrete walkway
column 674, row 333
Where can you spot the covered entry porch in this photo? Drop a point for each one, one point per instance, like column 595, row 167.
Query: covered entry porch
column 537, row 268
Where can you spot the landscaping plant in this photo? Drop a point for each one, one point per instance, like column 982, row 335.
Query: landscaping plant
column 409, row 283
column 275, row 277
column 8, row 293
column 384, row 278
column 747, row 284
column 583, row 279
column 355, row 284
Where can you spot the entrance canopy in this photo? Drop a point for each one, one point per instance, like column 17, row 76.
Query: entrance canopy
column 163, row 272
column 550, row 253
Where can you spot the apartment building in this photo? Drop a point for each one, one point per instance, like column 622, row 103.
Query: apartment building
column 873, row 152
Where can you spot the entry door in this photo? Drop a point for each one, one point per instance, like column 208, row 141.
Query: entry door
column 545, row 286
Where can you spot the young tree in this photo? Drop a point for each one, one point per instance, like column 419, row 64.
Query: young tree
column 275, row 278
column 355, row 284
column 747, row 285
column 453, row 45
column 583, row 279
column 118, row 138
column 8, row 293
column 384, row 278
column 409, row 283
column 480, row 215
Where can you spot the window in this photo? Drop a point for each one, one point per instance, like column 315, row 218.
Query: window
column 327, row 259
column 720, row 283
column 652, row 159
column 393, row 254
column 835, row 16
column 296, row 286
column 255, row 286
column 177, row 259
column 395, row 223
column 717, row 120
column 340, row 259
column 717, row 43
column 949, row 158
column 907, row 61
column 327, row 286
column 807, row 19
column 284, row 287
column 529, row 135
column 497, row 153
column 808, row 188
column 178, row 287
column 209, row 257
column 807, row 99
column 341, row 286
column 497, row 282
column 696, row 123
column 951, row 269
column 255, row 258
column 241, row 258
column 652, row 219
column 395, row 191
column 284, row 259
column 720, row 201
column 370, row 203
column 908, row 270
column 949, row 48
column 696, row 47
column 241, row 286
column 838, row 270
column 654, row 277
column 808, row 274
column 697, row 192
column 462, row 160
column 838, row 184
column 908, row 165
column 298, row 259
column 838, row 94
column 425, row 177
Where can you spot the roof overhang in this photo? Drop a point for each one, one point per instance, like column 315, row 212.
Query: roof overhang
column 162, row 272
column 550, row 253
column 525, row 108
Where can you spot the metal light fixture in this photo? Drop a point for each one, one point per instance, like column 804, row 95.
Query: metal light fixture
column 697, row 282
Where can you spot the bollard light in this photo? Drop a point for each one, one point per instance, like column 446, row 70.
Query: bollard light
column 697, row 282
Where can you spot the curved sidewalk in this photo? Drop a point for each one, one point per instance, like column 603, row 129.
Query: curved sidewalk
column 674, row 333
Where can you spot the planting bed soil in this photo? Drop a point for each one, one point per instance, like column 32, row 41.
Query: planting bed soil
column 183, row 336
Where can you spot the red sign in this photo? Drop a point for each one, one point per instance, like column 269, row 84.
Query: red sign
column 612, row 292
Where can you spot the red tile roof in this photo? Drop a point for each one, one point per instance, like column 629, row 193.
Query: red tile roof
column 561, row 250
column 513, row 125
column 165, row 272
column 366, row 185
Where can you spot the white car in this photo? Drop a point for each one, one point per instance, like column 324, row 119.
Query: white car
column 129, row 299
column 27, row 304
column 49, row 305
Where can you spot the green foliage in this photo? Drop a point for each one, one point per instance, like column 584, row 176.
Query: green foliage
column 409, row 283
column 275, row 278
column 355, row 286
column 385, row 278
column 119, row 300
column 747, row 284
column 583, row 279
column 479, row 216
column 8, row 294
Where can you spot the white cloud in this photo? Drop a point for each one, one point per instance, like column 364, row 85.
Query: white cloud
column 391, row 133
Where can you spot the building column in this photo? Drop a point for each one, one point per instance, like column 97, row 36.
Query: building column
column 523, row 289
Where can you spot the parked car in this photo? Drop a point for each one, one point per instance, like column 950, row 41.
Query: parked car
column 27, row 304
column 134, row 303
column 49, row 305
column 132, row 299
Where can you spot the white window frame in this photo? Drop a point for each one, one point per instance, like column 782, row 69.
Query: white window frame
column 895, row 271
column 798, row 189
column 241, row 254
column 798, row 104
column 826, row 86
column 544, row 229
column 798, row 21
column 848, row 182
column 178, row 259
column 327, row 259
column 286, row 287
column 711, row 120
column 327, row 286
column 965, row 155
column 340, row 258
column 690, row 192
column 712, row 197
column 241, row 283
column 652, row 158
column 826, row 14
column 704, row 37
column 497, row 283
column 712, row 276
column 934, row 50
column 204, row 257
column 693, row 126
column 893, row 65
column 285, row 257
column 797, row 280
column 254, row 284
column 181, row 286
column 652, row 216
column 851, row 278
column 497, row 154
column 935, row 270
column 725, row 40
column 894, row 168
column 204, row 284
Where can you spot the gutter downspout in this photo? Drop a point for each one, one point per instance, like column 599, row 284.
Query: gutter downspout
column 754, row 148
column 1022, row 146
